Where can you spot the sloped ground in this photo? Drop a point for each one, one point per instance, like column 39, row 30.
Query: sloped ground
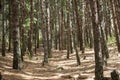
column 59, row 68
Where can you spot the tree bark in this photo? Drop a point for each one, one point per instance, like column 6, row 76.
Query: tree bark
column 94, row 4
column 79, row 27
column 17, row 62
column 3, row 31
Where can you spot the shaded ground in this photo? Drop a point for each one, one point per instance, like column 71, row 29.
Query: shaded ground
column 59, row 68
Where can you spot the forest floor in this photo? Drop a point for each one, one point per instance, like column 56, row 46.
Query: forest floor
column 59, row 68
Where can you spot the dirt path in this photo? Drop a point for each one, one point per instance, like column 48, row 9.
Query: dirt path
column 59, row 68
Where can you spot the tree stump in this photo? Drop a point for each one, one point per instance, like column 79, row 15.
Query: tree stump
column 115, row 75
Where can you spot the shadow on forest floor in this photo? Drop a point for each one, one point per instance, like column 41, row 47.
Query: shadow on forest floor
column 59, row 68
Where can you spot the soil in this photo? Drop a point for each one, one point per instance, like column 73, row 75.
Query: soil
column 59, row 68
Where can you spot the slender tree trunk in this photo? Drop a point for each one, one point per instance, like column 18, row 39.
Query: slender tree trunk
column 74, row 36
column 44, row 33
column 115, row 21
column 10, row 24
column 22, row 29
column 47, row 28
column 3, row 31
column 104, row 48
column 79, row 27
column 75, row 48
column 30, row 32
column 38, row 24
column 68, row 29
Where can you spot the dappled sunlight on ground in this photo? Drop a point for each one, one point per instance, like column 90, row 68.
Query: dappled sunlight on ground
column 59, row 68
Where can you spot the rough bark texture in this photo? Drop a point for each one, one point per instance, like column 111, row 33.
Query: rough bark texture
column 17, row 62
column 96, row 32
column 79, row 27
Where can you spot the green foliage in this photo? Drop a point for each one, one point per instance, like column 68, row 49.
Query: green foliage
column 27, row 5
column 27, row 23
column 111, row 40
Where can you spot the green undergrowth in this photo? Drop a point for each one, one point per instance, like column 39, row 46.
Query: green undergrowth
column 111, row 41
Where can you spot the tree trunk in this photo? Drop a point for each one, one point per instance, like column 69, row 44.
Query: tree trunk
column 30, row 32
column 3, row 31
column 17, row 62
column 96, row 32
column 79, row 27
column 10, row 24
column 115, row 21
column 44, row 36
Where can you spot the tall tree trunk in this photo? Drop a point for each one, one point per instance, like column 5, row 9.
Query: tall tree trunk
column 96, row 32
column 104, row 48
column 74, row 36
column 10, row 24
column 68, row 28
column 79, row 27
column 30, row 33
column 44, row 36
column 47, row 28
column 115, row 21
column 17, row 62
column 38, row 26
column 3, row 31
column 22, row 30
column 75, row 48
